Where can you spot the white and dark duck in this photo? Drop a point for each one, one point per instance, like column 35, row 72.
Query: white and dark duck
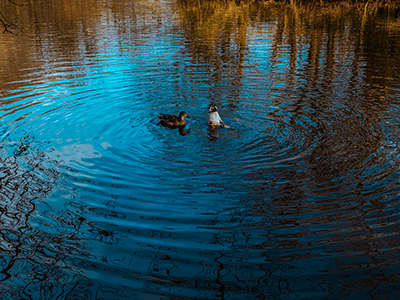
column 214, row 120
column 173, row 121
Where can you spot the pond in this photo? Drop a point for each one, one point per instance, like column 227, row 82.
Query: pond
column 296, row 198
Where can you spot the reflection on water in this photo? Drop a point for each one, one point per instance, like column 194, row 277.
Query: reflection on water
column 296, row 199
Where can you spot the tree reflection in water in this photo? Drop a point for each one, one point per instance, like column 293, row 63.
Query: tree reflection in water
column 36, row 261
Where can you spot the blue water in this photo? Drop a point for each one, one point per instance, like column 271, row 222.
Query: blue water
column 297, row 199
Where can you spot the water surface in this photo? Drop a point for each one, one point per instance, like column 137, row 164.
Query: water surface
column 298, row 199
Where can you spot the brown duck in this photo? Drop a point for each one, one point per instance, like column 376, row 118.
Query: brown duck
column 173, row 121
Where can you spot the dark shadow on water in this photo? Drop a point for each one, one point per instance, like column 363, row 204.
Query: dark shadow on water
column 183, row 130
column 213, row 133
column 217, row 131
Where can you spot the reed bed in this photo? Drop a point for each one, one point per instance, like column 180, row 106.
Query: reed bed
column 305, row 4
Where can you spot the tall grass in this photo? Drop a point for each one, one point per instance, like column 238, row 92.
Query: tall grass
column 394, row 4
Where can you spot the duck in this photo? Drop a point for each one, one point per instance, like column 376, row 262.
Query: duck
column 213, row 118
column 173, row 121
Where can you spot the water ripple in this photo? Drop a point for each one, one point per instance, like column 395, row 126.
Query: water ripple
column 297, row 198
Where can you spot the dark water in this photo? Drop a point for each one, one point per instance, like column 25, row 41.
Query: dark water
column 299, row 199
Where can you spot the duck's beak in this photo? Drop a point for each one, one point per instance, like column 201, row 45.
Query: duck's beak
column 187, row 116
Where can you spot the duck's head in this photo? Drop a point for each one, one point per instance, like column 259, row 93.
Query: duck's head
column 183, row 114
column 212, row 108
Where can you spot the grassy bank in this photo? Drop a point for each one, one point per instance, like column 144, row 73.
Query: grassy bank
column 308, row 2
column 393, row 4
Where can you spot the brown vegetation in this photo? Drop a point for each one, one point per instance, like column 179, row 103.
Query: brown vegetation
column 303, row 2
column 307, row 4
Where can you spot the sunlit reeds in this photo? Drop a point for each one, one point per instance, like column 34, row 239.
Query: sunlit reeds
column 310, row 3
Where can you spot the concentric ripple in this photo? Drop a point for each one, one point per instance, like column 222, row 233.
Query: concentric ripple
column 297, row 198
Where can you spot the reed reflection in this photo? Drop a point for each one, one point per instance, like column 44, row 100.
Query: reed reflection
column 66, row 38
